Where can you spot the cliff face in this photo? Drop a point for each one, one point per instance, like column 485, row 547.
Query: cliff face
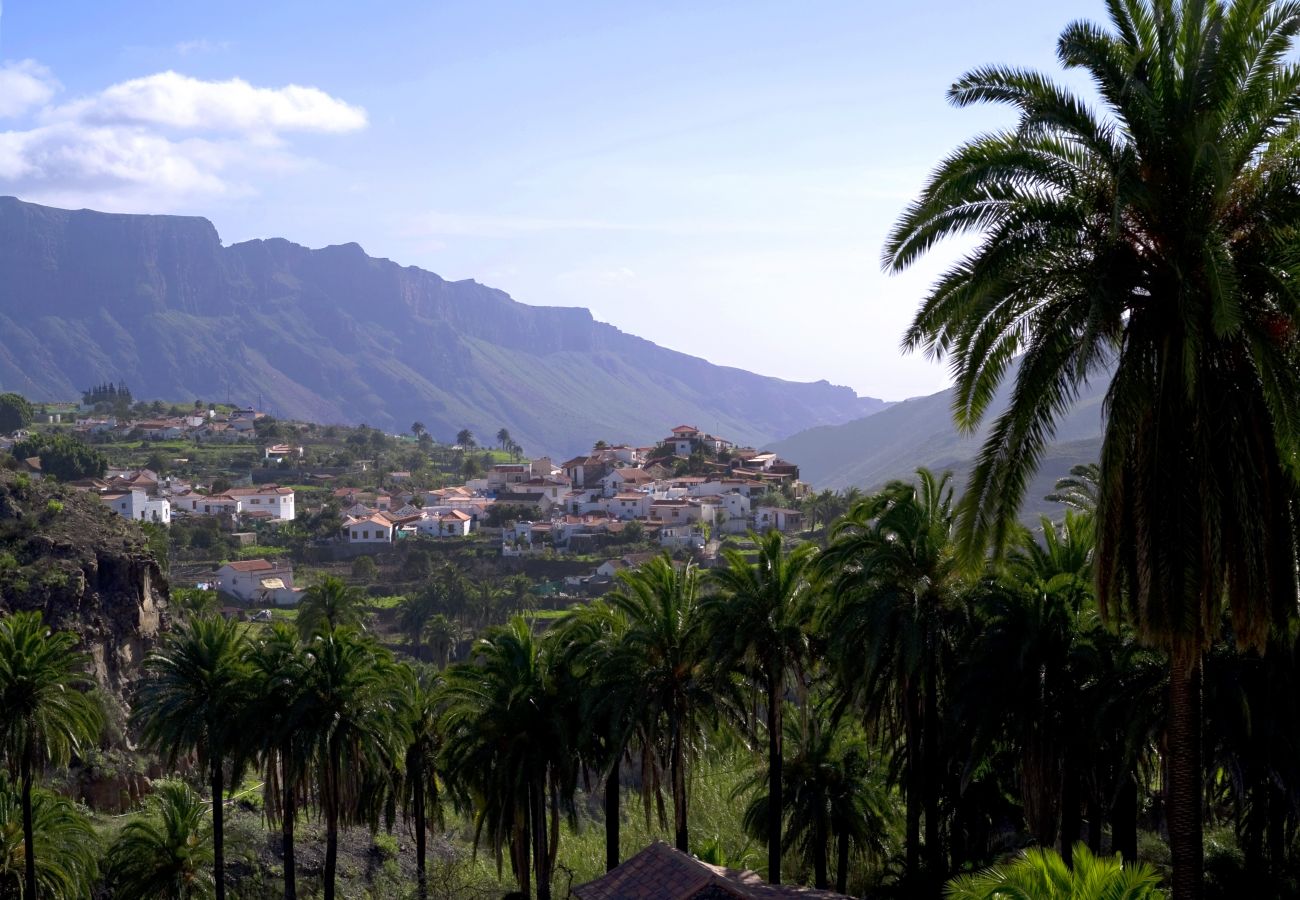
column 87, row 570
column 337, row 336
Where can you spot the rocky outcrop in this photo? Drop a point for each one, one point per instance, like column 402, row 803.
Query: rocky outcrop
column 87, row 570
column 334, row 335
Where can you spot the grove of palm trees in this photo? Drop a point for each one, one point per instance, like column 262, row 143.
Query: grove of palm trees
column 923, row 696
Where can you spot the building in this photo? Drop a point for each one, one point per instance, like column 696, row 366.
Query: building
column 258, row 582
column 138, row 505
column 375, row 528
column 269, row 498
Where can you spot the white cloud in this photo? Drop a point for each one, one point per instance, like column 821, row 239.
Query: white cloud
column 24, row 85
column 171, row 100
column 160, row 141
column 201, row 45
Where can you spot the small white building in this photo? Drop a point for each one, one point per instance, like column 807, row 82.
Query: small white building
column 258, row 581
column 372, row 529
column 270, row 498
column 137, row 505
column 767, row 518
column 628, row 506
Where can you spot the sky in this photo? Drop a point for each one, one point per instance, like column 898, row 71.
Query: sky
column 716, row 177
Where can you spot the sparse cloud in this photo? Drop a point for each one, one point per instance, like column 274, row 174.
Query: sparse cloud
column 159, row 140
column 201, row 46
column 24, row 86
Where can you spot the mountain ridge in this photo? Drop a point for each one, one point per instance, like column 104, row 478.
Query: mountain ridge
column 335, row 335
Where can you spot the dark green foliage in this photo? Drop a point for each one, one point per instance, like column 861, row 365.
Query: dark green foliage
column 167, row 854
column 15, row 413
column 66, row 458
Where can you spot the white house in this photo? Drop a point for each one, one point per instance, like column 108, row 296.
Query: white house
column 628, row 506
column 257, row 581
column 446, row 522
column 767, row 518
column 626, row 479
column 372, row 529
column 278, row 501
column 136, row 504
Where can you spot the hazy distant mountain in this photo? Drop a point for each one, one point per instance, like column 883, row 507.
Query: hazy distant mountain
column 893, row 443
column 334, row 335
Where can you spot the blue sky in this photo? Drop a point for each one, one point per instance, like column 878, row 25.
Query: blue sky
column 716, row 177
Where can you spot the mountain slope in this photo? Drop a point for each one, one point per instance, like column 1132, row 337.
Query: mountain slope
column 868, row 452
column 334, row 335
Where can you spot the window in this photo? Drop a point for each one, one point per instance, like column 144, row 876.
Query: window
column 365, row 535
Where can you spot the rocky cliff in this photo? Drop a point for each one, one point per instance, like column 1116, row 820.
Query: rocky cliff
column 334, row 335
column 87, row 570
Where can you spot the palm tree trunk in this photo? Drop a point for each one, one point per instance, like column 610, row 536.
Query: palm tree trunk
column 912, row 733
column 331, row 827
column 930, row 742
column 29, row 828
column 775, row 808
column 842, row 863
column 288, row 812
column 681, row 837
column 1183, row 798
column 218, row 828
column 821, row 850
column 1123, row 820
column 613, row 791
column 1070, row 819
column 541, row 858
column 421, row 876
column 519, row 855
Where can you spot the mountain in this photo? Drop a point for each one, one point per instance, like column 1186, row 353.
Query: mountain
column 893, row 443
column 334, row 335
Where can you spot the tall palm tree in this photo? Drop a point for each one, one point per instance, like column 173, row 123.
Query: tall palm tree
column 192, row 700
column 667, row 636
column 423, row 732
column 46, row 717
column 465, row 438
column 166, row 855
column 418, row 429
column 278, row 668
column 504, row 439
column 329, row 603
column 833, row 795
column 1151, row 233
column 505, row 744
column 895, row 577
column 760, row 619
column 66, row 847
column 354, row 722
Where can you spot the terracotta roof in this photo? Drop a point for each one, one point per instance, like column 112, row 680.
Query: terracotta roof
column 681, row 429
column 264, row 489
column 660, row 872
column 251, row 565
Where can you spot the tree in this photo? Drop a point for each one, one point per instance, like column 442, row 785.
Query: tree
column 668, row 639
column 506, row 748
column 329, row 603
column 279, row 667
column 465, row 439
column 46, row 718
column 66, row 848
column 418, row 430
column 503, row 438
column 167, row 855
column 760, row 620
column 192, row 701
column 1147, row 241
column 63, row 457
column 1043, row 875
column 15, row 413
column 421, row 802
column 364, row 568
column 353, row 723
column 894, row 579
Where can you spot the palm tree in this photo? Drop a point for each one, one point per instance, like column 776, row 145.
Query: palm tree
column 895, row 577
column 354, row 724
column 66, row 846
column 420, row 796
column 760, row 621
column 418, row 429
column 279, row 668
column 832, row 794
column 442, row 635
column 667, row 636
column 193, row 701
column 1148, row 238
column 465, row 439
column 506, row 748
column 503, row 438
column 167, row 857
column 46, row 718
column 1044, row 875
column 329, row 603
column 1080, row 489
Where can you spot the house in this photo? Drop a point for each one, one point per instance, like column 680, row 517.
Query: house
column 138, row 505
column 628, row 506
column 767, row 518
column 281, row 452
column 585, row 470
column 665, row 873
column 627, row 478
column 270, row 498
column 258, row 582
column 445, row 523
column 503, row 474
column 375, row 528
column 540, row 501
column 192, row 503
